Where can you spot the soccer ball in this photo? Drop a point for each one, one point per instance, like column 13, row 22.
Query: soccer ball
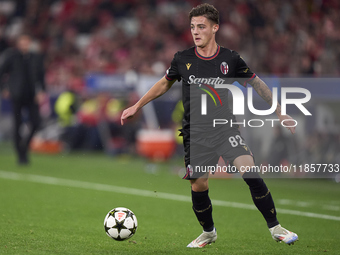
column 120, row 224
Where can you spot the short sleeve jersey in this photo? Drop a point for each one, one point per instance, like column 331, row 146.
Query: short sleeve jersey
column 199, row 76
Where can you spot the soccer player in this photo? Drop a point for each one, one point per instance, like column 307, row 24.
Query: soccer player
column 201, row 68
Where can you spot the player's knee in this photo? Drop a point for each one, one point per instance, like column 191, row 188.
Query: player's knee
column 199, row 184
column 255, row 182
column 252, row 179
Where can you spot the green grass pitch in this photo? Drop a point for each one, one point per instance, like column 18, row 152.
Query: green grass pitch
column 64, row 214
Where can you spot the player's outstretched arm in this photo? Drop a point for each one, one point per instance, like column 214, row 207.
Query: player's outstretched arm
column 158, row 89
column 262, row 89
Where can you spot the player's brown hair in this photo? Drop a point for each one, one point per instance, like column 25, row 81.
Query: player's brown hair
column 206, row 10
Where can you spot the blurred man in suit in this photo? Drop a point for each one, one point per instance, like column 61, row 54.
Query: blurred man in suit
column 24, row 85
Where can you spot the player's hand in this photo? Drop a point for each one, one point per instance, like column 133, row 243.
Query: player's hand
column 128, row 113
column 288, row 122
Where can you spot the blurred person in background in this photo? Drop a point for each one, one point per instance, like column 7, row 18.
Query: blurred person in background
column 66, row 107
column 24, row 86
column 86, row 134
column 177, row 116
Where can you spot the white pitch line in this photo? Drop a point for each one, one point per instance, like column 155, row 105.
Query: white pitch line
column 145, row 193
column 305, row 204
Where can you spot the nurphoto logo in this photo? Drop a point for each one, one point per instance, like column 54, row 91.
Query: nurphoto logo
column 209, row 86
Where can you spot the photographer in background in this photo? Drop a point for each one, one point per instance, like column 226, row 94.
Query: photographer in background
column 24, row 86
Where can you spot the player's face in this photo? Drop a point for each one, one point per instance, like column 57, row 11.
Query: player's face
column 203, row 31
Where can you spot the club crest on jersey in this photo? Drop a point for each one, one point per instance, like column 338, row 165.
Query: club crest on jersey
column 224, row 68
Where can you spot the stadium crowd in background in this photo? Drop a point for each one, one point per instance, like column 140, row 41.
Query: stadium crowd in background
column 276, row 37
column 285, row 38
